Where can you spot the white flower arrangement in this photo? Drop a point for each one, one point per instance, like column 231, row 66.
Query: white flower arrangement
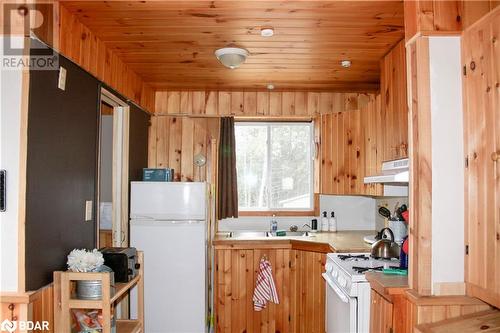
column 85, row 261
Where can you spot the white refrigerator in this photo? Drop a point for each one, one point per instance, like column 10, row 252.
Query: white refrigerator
column 168, row 223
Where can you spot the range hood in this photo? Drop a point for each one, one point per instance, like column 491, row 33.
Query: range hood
column 393, row 172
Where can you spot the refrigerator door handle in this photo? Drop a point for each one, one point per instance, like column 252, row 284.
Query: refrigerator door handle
column 185, row 222
column 141, row 217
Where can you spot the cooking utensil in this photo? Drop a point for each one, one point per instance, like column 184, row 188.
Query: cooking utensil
column 399, row 212
column 406, row 216
column 395, row 212
column 385, row 248
column 384, row 212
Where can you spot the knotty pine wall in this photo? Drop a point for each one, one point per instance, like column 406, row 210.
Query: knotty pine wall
column 175, row 140
column 252, row 103
column 481, row 89
column 443, row 16
column 187, row 122
column 83, row 47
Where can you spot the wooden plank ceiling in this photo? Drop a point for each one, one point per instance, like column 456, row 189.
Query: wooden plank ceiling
column 171, row 44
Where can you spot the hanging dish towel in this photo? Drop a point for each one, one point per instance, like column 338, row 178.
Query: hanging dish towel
column 265, row 289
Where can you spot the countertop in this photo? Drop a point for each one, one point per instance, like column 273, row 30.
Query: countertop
column 340, row 241
column 387, row 284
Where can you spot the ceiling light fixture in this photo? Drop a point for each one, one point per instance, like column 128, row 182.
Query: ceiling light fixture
column 270, row 86
column 346, row 63
column 231, row 57
column 267, row 32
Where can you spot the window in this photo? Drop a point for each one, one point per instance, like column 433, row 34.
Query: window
column 275, row 166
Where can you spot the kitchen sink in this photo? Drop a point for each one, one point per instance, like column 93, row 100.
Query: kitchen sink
column 248, row 234
column 291, row 234
column 261, row 234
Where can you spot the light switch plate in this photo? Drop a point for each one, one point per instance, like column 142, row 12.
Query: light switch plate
column 61, row 83
column 88, row 210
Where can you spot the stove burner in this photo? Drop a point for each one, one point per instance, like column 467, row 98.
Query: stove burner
column 364, row 269
column 353, row 257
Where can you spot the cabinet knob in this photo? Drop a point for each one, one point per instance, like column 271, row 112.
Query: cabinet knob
column 495, row 156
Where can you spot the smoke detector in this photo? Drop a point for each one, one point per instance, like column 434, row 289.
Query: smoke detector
column 231, row 57
column 346, row 63
column 267, row 32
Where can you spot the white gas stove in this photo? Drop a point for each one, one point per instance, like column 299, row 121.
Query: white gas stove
column 348, row 291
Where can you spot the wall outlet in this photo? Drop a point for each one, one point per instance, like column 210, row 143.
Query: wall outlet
column 88, row 210
column 61, row 83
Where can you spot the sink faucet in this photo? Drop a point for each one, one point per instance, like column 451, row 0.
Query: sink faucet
column 307, row 225
column 274, row 224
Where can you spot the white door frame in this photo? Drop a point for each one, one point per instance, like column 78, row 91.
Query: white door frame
column 121, row 115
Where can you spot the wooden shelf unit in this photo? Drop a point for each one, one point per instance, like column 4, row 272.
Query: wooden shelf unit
column 64, row 299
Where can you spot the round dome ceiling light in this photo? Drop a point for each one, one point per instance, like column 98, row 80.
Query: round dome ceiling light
column 231, row 57
column 346, row 63
column 267, row 32
column 270, row 86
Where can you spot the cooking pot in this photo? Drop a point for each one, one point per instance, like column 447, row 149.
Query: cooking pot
column 385, row 248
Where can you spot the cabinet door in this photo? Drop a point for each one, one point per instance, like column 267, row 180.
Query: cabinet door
column 380, row 314
column 308, row 292
column 481, row 56
column 300, row 287
column 235, row 274
column 350, row 145
column 394, row 111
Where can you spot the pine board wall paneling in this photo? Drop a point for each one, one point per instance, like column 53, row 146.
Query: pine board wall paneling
column 443, row 16
column 480, row 57
column 434, row 15
column 420, row 163
column 43, row 306
column 83, row 47
column 474, row 10
column 175, row 141
column 260, row 103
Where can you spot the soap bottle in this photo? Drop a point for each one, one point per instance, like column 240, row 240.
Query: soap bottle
column 274, row 225
column 324, row 222
column 332, row 223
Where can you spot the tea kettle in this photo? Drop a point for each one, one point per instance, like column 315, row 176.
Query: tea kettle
column 385, row 248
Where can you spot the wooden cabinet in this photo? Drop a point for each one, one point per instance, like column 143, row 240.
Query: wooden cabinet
column 394, row 105
column 350, row 146
column 300, row 286
column 390, row 310
column 355, row 143
column 380, row 314
column 481, row 54
column 65, row 300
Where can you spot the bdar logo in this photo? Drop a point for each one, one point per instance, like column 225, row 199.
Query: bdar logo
column 8, row 326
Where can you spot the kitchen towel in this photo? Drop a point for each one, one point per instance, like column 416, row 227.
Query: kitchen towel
column 265, row 289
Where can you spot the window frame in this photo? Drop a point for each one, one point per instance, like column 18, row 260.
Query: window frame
column 283, row 211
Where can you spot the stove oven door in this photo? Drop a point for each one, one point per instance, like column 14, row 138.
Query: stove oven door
column 341, row 309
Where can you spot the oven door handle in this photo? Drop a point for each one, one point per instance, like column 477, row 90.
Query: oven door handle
column 335, row 288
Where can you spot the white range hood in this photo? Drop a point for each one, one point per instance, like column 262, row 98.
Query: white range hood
column 393, row 173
